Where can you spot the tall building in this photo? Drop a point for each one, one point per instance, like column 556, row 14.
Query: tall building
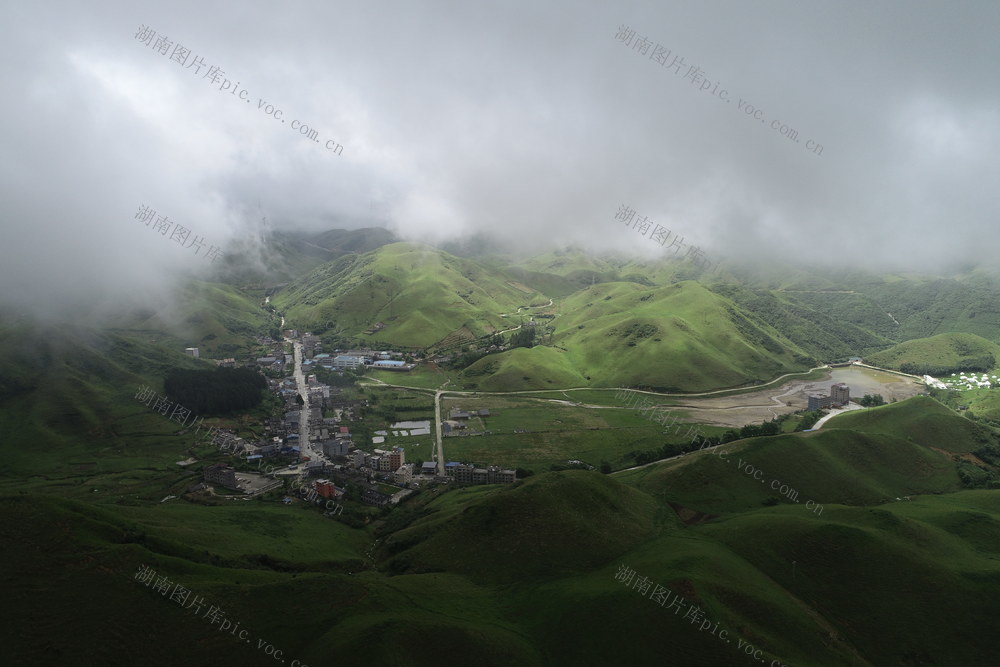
column 840, row 394
column 397, row 457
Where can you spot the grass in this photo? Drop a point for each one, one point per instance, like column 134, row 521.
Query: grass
column 420, row 377
column 945, row 350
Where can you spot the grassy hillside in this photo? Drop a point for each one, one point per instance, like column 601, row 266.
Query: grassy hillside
column 678, row 338
column 217, row 318
column 277, row 257
column 813, row 329
column 939, row 355
column 859, row 458
column 499, row 535
column 920, row 420
column 523, row 368
column 526, row 574
column 422, row 295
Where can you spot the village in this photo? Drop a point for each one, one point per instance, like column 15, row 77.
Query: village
column 310, row 452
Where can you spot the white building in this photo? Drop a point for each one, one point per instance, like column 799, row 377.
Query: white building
column 348, row 361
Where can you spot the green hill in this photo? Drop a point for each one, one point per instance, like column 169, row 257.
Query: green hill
column 276, row 257
column 422, row 295
column 501, row 536
column 858, row 458
column 217, row 318
column 677, row 338
column 920, row 420
column 523, row 368
column 939, row 355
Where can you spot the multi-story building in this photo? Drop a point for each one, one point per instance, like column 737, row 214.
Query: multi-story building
column 467, row 474
column 325, row 488
column 337, row 447
column 840, row 393
column 818, row 401
column 360, row 458
column 397, row 457
column 404, row 474
column 221, row 474
column 498, row 475
column 372, row 496
column 348, row 361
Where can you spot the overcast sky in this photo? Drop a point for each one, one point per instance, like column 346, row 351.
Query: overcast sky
column 534, row 119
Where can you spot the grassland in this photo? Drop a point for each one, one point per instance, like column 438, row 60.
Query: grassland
column 421, row 294
column 939, row 354
column 527, row 572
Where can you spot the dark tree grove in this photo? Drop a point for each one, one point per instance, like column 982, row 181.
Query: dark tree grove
column 523, row 337
column 215, row 391
column 871, row 400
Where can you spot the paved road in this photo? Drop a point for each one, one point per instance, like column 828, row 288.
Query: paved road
column 437, row 428
column 307, row 447
column 833, row 413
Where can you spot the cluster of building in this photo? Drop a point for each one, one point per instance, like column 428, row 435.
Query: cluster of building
column 342, row 464
column 458, row 420
column 339, row 360
column 840, row 395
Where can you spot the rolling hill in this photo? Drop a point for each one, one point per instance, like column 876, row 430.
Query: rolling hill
column 422, row 295
column 939, row 355
column 677, row 338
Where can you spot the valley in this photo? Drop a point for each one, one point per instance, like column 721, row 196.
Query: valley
column 659, row 427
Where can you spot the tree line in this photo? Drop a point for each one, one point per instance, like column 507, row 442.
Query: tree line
column 215, row 391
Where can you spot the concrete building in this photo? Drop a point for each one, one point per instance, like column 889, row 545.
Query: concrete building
column 467, row 474
column 348, row 361
column 372, row 496
column 337, row 447
column 404, row 474
column 819, row 401
column 221, row 474
column 840, row 394
column 325, row 488
column 397, row 457
column 193, row 351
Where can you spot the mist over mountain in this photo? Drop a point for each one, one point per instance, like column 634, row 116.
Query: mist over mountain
column 529, row 123
column 500, row 333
